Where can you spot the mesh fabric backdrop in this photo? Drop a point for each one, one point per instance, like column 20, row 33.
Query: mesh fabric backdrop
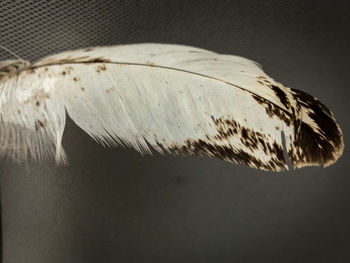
column 112, row 205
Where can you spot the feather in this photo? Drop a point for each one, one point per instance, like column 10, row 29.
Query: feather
column 172, row 98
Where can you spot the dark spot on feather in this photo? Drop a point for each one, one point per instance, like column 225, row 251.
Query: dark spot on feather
column 109, row 90
column 69, row 69
column 281, row 95
column 37, row 103
column 46, row 69
column 63, row 73
column 88, row 49
column 82, row 88
column 274, row 111
column 100, row 68
column 39, row 124
column 260, row 100
column 76, row 78
column 31, row 70
column 278, row 151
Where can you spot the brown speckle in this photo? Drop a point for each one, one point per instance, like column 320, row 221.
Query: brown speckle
column 109, row 90
column 277, row 89
column 40, row 124
column 76, row 78
column 82, row 88
column 281, row 95
column 31, row 70
column 273, row 110
column 101, row 68
column 69, row 69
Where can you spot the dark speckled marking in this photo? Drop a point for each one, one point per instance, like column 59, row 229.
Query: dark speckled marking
column 111, row 89
column 40, row 124
column 31, row 70
column 224, row 152
column 316, row 147
column 280, row 94
column 273, row 110
column 100, row 68
column 69, row 69
column 212, row 146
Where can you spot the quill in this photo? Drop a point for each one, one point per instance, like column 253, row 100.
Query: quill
column 173, row 98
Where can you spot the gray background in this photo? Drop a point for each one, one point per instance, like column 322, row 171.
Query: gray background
column 112, row 205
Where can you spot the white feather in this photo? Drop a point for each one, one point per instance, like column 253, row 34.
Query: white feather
column 178, row 99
